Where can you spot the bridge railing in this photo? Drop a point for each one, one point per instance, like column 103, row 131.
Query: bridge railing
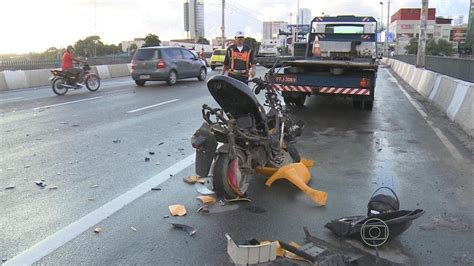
column 456, row 67
column 47, row 64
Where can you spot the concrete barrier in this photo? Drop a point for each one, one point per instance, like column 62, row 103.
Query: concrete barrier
column 465, row 114
column 103, row 71
column 15, row 79
column 118, row 70
column 452, row 96
column 38, row 77
column 415, row 78
column 427, row 83
column 3, row 82
column 444, row 94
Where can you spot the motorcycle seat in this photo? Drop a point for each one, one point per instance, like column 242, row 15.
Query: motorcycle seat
column 237, row 99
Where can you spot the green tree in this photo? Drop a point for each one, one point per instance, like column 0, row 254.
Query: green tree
column 152, row 40
column 249, row 41
column 412, row 47
column 133, row 48
column 203, row 40
column 444, row 48
column 90, row 46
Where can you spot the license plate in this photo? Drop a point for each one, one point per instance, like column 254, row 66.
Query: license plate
column 144, row 76
column 285, row 79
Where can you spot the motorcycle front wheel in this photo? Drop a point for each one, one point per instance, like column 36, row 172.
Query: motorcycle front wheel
column 58, row 86
column 225, row 171
column 92, row 82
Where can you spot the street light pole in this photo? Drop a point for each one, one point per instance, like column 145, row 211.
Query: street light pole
column 420, row 56
column 223, row 24
column 381, row 16
column 388, row 28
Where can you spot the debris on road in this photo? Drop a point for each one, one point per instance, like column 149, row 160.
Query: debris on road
column 206, row 199
column 204, row 188
column 58, row 173
column 151, row 153
column 161, row 143
column 147, row 159
column 10, row 168
column 133, row 228
column 41, row 183
column 238, row 199
column 51, row 188
column 27, row 166
column 156, row 188
column 299, row 175
column 180, row 149
column 166, row 216
column 91, row 199
column 177, row 210
column 251, row 254
column 75, row 125
column 116, row 141
column 157, row 163
column 203, row 209
column 188, row 229
column 95, row 186
column 9, row 187
column 97, row 230
column 193, row 179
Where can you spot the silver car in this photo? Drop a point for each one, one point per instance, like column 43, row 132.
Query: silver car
column 168, row 64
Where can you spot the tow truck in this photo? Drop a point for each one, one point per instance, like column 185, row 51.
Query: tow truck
column 340, row 60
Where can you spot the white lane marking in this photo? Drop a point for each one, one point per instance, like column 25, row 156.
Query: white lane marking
column 60, row 104
column 10, row 99
column 458, row 99
column 451, row 148
column 58, row 239
column 151, row 106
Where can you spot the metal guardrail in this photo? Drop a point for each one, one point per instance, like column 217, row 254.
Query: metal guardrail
column 48, row 64
column 460, row 68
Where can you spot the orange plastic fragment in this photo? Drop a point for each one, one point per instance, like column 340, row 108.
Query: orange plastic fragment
column 193, row 179
column 177, row 210
column 207, row 199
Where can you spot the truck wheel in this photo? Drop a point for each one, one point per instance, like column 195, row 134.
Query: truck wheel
column 357, row 104
column 368, row 105
column 288, row 100
column 213, row 67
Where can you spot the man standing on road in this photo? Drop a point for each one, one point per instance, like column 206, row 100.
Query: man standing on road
column 68, row 67
column 239, row 60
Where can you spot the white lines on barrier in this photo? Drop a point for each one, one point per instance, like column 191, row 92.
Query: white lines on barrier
column 451, row 148
column 151, row 106
column 71, row 102
column 68, row 233
column 458, row 98
column 10, row 99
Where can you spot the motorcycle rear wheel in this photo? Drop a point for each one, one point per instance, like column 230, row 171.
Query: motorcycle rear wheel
column 220, row 177
column 58, row 86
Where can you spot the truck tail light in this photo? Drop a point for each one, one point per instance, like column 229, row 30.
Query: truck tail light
column 364, row 83
column 161, row 64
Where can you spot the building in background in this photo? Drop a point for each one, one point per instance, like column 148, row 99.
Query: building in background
column 272, row 28
column 457, row 20
column 459, row 35
column 304, row 16
column 127, row 44
column 194, row 18
column 405, row 24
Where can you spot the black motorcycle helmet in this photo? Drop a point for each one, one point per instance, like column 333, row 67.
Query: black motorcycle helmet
column 382, row 203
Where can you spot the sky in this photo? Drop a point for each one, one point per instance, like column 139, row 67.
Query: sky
column 36, row 25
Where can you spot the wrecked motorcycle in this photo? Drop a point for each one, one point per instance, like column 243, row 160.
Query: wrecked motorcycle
column 250, row 136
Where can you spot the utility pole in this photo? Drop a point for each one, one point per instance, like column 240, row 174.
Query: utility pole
column 223, row 24
column 388, row 29
column 420, row 56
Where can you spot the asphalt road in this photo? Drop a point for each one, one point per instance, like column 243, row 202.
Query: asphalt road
column 68, row 141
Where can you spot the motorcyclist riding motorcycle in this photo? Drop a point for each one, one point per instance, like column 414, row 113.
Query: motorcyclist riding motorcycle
column 68, row 68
